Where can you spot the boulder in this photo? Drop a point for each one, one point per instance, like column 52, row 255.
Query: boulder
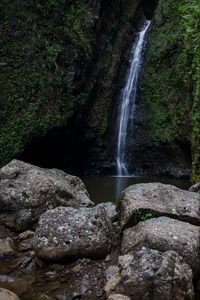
column 165, row 234
column 152, row 275
column 142, row 200
column 111, row 210
column 28, row 191
column 66, row 232
column 7, row 295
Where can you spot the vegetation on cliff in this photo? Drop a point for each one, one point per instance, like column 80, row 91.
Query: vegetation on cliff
column 172, row 76
column 42, row 43
column 60, row 59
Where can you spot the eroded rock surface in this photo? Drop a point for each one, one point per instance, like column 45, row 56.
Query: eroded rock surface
column 165, row 234
column 68, row 232
column 152, row 275
column 28, row 191
column 159, row 200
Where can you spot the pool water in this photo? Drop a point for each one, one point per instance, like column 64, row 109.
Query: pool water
column 109, row 188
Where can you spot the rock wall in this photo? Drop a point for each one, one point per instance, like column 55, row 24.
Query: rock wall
column 172, row 81
column 59, row 66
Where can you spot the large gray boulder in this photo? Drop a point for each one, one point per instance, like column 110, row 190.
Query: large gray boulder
column 152, row 275
column 66, row 232
column 28, row 191
column 158, row 199
column 165, row 234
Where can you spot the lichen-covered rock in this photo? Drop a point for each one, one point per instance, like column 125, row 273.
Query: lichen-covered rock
column 111, row 210
column 28, row 191
column 152, row 275
column 165, row 234
column 66, row 232
column 159, row 200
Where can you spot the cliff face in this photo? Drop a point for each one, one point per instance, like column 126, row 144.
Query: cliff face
column 172, row 78
column 59, row 64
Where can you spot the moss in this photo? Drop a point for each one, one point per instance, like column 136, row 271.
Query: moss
column 172, row 77
column 42, row 42
column 62, row 59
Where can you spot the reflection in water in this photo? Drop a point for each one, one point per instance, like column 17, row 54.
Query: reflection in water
column 103, row 189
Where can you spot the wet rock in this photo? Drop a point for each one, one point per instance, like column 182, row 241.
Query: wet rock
column 30, row 263
column 68, row 232
column 28, row 191
column 152, row 275
column 14, row 284
column 159, row 200
column 26, row 245
column 111, row 271
column 112, row 282
column 195, row 188
column 7, row 295
column 44, row 296
column 25, row 241
column 26, row 235
column 89, row 279
column 111, row 210
column 165, row 234
column 7, row 248
column 85, row 280
column 5, row 232
column 197, row 288
column 118, row 297
column 68, row 296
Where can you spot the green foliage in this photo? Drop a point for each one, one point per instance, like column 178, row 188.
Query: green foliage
column 47, row 39
column 192, row 49
column 118, row 228
column 172, row 75
column 141, row 215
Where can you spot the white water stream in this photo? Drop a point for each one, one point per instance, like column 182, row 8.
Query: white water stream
column 128, row 97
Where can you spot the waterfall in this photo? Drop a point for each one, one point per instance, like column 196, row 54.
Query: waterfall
column 128, row 97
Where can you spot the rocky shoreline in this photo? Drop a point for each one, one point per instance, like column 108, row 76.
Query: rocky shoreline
column 55, row 244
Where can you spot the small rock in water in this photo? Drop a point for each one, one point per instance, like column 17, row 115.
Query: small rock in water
column 14, row 284
column 118, row 297
column 7, row 248
column 7, row 295
column 26, row 235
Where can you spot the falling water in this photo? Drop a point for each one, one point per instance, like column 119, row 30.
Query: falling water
column 128, row 97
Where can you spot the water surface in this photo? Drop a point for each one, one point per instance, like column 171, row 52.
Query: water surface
column 109, row 188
